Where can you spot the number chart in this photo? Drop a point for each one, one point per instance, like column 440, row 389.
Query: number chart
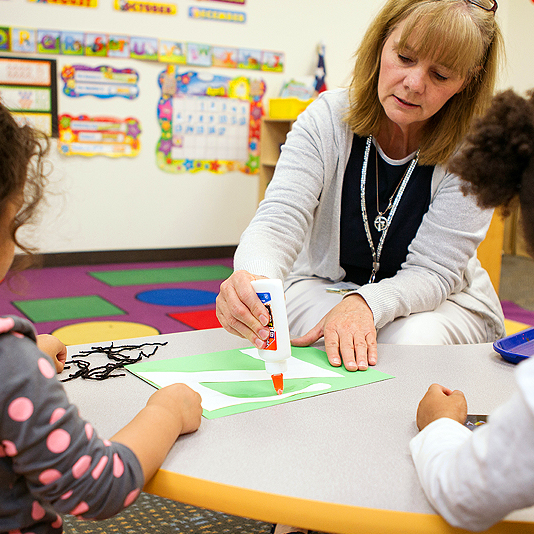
column 208, row 123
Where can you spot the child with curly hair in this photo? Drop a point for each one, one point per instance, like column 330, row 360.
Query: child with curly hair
column 51, row 460
column 474, row 479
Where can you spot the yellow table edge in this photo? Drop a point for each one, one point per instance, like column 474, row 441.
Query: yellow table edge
column 313, row 515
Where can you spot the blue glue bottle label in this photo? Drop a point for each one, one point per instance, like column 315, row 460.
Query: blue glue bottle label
column 266, row 301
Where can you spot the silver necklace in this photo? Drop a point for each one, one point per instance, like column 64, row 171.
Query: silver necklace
column 381, row 223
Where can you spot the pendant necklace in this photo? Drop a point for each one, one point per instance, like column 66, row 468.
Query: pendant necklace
column 381, row 222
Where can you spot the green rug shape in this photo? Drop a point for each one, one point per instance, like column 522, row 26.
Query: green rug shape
column 137, row 277
column 60, row 309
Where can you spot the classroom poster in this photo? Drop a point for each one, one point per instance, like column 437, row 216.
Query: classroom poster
column 224, row 57
column 76, row 3
column 273, row 61
column 23, row 40
column 199, row 55
column 98, row 136
column 95, row 44
column 28, row 88
column 208, row 123
column 235, row 381
column 172, row 52
column 250, row 59
column 48, row 42
column 221, row 15
column 141, row 6
column 242, row 2
column 102, row 81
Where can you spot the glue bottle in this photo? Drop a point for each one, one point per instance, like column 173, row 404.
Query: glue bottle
column 271, row 292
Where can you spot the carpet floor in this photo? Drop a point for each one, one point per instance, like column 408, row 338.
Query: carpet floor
column 154, row 515
column 516, row 290
column 82, row 304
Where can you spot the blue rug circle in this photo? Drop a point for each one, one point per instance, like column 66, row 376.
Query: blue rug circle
column 177, row 297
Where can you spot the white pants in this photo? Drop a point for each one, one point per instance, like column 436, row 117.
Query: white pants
column 308, row 302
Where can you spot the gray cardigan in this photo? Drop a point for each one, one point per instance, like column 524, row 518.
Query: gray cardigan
column 295, row 233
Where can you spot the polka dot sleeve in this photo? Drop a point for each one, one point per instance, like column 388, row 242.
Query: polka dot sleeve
column 47, row 450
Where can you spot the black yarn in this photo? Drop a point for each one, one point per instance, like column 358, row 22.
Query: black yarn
column 115, row 353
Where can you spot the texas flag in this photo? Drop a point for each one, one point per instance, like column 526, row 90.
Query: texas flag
column 320, row 72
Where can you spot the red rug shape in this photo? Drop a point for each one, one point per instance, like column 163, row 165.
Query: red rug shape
column 199, row 320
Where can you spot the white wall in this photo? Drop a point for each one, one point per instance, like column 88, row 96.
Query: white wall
column 519, row 34
column 101, row 203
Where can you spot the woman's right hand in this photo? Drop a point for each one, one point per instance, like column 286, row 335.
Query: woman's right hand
column 240, row 311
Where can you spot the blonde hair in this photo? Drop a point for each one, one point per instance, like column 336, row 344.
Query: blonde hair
column 455, row 33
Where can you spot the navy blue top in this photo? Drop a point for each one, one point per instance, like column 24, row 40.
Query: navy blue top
column 355, row 253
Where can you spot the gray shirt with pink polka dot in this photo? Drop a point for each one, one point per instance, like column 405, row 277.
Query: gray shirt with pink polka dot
column 51, row 461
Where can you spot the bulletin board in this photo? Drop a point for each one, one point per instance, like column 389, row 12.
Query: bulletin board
column 28, row 88
column 208, row 123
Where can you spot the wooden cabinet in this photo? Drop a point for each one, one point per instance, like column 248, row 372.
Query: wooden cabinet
column 273, row 136
column 514, row 242
column 490, row 250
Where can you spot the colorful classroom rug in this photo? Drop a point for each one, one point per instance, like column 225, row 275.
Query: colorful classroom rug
column 83, row 304
column 516, row 313
column 517, row 318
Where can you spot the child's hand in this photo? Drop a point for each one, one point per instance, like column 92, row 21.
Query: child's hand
column 183, row 402
column 440, row 402
column 171, row 411
column 52, row 346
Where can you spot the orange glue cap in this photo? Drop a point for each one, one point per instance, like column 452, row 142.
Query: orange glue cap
column 278, row 383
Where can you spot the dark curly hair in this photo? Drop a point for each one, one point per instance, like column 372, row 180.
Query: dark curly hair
column 497, row 159
column 22, row 156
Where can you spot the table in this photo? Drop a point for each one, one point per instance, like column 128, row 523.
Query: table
column 337, row 462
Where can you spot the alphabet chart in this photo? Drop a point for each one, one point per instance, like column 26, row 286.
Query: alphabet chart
column 209, row 123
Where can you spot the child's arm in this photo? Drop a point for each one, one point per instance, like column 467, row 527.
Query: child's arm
column 475, row 478
column 52, row 346
column 58, row 459
column 170, row 411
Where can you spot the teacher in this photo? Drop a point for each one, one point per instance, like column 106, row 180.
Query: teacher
column 369, row 231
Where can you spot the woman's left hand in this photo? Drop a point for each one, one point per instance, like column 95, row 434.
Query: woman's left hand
column 349, row 334
column 56, row 349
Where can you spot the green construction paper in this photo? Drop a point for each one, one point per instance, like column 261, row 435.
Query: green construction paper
column 136, row 277
column 214, row 361
column 236, row 360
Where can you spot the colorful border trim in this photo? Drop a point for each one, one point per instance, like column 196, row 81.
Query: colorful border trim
column 42, row 41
